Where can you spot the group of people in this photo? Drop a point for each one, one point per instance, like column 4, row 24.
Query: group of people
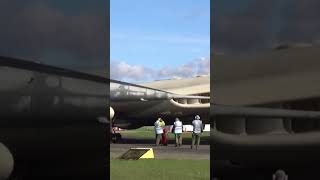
column 177, row 129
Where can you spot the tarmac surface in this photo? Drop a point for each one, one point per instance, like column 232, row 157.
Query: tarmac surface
column 162, row 152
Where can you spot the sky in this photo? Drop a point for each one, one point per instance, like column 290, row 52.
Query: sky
column 159, row 39
column 150, row 40
column 250, row 26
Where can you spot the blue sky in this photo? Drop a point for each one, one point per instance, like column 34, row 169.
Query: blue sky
column 160, row 35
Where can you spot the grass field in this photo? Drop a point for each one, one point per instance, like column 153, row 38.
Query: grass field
column 147, row 132
column 164, row 169
column 159, row 169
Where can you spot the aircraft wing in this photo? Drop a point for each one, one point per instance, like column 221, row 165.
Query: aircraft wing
column 269, row 77
column 187, row 86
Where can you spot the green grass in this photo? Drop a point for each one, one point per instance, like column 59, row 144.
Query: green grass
column 164, row 169
column 147, row 132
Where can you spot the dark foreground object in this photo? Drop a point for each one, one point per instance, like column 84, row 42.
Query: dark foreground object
column 69, row 152
column 49, row 121
column 224, row 171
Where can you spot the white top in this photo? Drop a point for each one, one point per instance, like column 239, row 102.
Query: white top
column 177, row 127
column 158, row 129
column 197, row 126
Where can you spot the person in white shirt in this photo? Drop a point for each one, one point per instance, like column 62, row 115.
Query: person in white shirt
column 177, row 130
column 197, row 131
column 158, row 130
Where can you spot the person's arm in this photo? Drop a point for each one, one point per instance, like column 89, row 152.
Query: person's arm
column 202, row 127
column 193, row 126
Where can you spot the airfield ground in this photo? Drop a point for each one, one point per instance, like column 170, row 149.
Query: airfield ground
column 147, row 133
column 160, row 169
column 170, row 162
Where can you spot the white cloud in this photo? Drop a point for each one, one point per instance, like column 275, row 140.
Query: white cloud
column 203, row 66
column 121, row 70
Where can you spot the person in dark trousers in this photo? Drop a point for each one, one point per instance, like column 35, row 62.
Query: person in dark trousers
column 197, row 131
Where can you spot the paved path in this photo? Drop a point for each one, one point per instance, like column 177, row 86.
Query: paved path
column 164, row 152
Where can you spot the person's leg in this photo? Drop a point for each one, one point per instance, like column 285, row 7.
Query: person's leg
column 193, row 139
column 180, row 143
column 176, row 137
column 162, row 139
column 198, row 140
column 158, row 139
column 165, row 138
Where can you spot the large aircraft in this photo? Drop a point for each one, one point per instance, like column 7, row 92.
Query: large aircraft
column 183, row 98
column 270, row 114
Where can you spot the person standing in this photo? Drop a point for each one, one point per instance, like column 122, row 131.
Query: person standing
column 177, row 129
column 197, row 131
column 158, row 130
column 164, row 134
